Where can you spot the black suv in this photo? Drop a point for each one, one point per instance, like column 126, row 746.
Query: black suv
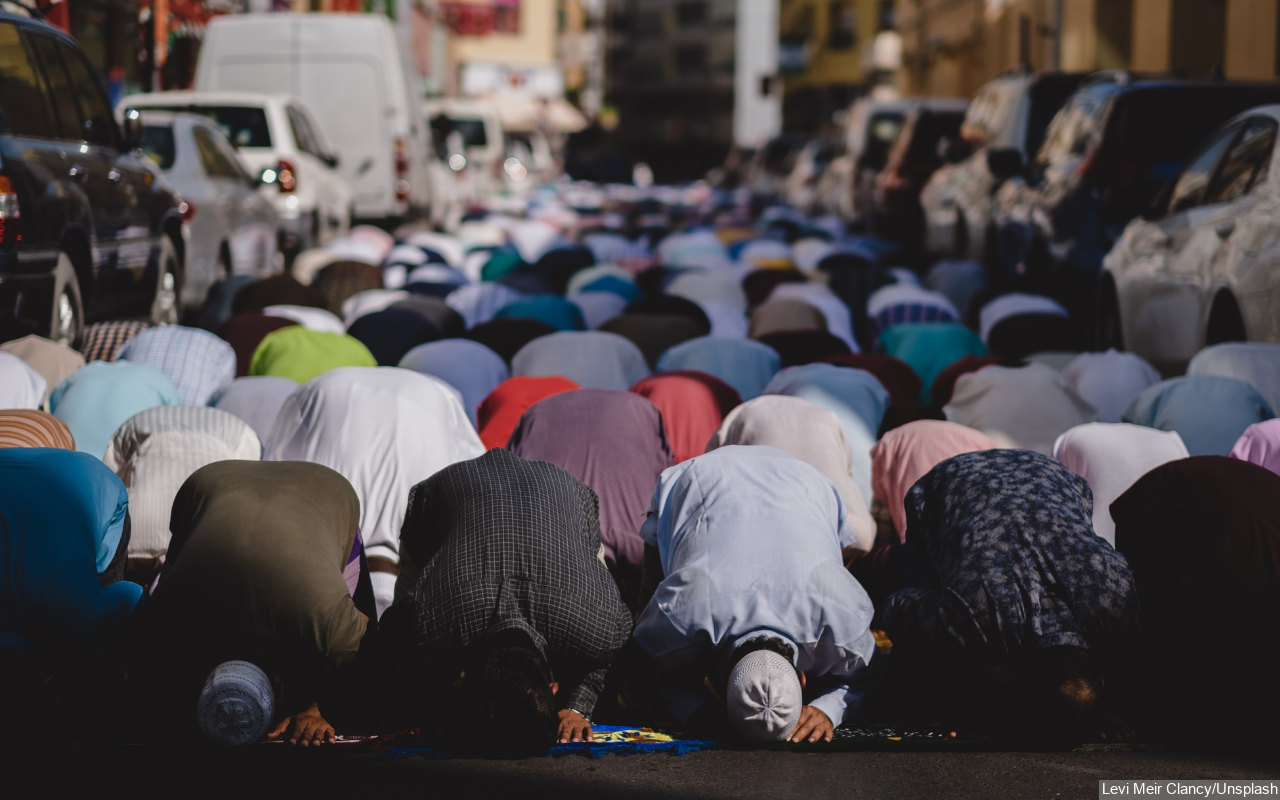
column 89, row 230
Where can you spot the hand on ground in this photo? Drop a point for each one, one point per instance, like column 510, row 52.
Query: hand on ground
column 813, row 725
column 574, row 727
column 306, row 728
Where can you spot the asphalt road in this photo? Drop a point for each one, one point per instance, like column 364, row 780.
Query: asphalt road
column 280, row 771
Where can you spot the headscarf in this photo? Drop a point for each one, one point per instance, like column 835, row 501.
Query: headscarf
column 693, row 404
column 776, row 316
column 592, row 359
column 904, row 455
column 613, row 441
column 1030, row 406
column 726, row 321
column 1260, row 444
column 958, row 281
column 555, row 311
column 1014, row 304
column 716, row 286
column 905, row 304
column 53, row 361
column 244, row 332
column 278, row 290
column 101, row 340
column 384, row 429
column 929, row 347
column 478, row 302
column 500, row 412
column 854, row 396
column 804, row 347
column 198, row 362
column 944, row 385
column 20, row 385
column 97, row 399
column 743, row 364
column 255, row 399
column 653, row 334
column 470, row 367
column 1208, row 412
column 1255, row 363
column 156, row 450
column 836, row 313
column 31, row 428
column 1111, row 457
column 392, row 332
column 301, row 354
column 63, row 515
column 257, row 554
column 369, row 301
column 598, row 307
column 342, row 279
column 897, row 378
column 1110, row 381
column 809, row 432
column 501, row 264
column 592, row 279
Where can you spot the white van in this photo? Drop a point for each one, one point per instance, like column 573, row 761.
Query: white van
column 469, row 148
column 353, row 74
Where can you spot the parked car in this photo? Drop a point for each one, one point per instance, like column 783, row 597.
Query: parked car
column 928, row 132
column 871, row 125
column 89, row 228
column 467, row 137
column 1004, row 123
column 1202, row 266
column 1107, row 154
column 352, row 73
column 231, row 229
column 275, row 132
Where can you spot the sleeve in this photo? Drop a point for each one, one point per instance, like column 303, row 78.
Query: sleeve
column 928, row 619
column 582, row 698
column 840, row 704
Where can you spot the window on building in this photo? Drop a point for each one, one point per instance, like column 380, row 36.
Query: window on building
column 842, row 25
column 691, row 12
column 691, row 58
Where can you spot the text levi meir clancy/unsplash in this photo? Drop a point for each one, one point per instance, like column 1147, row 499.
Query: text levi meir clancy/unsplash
column 1114, row 789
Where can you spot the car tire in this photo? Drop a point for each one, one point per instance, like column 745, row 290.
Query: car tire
column 1108, row 332
column 67, row 319
column 166, row 306
column 1226, row 323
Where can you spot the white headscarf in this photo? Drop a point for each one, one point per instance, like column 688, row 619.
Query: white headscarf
column 1110, row 380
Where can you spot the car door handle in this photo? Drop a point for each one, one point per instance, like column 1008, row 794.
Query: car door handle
column 114, row 175
column 1225, row 228
column 77, row 173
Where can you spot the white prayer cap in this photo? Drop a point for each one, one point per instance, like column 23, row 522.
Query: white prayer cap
column 764, row 697
column 236, row 704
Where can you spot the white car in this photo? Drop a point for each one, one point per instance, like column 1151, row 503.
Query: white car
column 229, row 227
column 275, row 133
column 1202, row 266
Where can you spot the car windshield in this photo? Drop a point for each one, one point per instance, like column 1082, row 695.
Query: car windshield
column 930, row 129
column 1048, row 94
column 157, row 143
column 244, row 126
column 1166, row 126
column 471, row 130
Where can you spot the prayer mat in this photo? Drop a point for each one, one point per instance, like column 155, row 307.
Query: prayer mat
column 609, row 740
column 870, row 736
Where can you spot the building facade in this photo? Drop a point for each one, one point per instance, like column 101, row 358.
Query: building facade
column 951, row 47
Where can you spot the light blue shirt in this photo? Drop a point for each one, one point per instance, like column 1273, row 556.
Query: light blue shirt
column 750, row 538
column 98, row 398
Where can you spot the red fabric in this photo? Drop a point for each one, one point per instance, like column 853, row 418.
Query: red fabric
column 499, row 413
column 693, row 404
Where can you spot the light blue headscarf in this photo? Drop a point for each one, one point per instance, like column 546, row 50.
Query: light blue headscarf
column 744, row 364
column 470, row 367
column 1208, row 412
column 98, row 398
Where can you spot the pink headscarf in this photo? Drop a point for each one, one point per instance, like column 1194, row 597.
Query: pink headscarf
column 1260, row 444
column 905, row 454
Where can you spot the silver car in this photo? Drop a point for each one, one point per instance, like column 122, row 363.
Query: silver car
column 1203, row 265
column 230, row 228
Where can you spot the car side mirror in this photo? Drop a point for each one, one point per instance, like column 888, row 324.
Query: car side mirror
column 131, row 129
column 1004, row 162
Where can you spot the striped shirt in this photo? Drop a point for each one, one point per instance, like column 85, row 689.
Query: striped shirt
column 28, row 428
column 198, row 362
column 102, row 340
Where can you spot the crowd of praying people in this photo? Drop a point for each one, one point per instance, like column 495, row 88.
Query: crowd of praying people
column 683, row 460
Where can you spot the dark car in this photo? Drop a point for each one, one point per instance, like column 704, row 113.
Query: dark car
column 1107, row 155
column 916, row 153
column 89, row 230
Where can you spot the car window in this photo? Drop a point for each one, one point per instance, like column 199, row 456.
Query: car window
column 95, row 111
column 930, row 129
column 1245, row 164
column 314, row 131
column 1192, row 182
column 23, row 110
column 66, row 114
column 157, row 143
column 244, row 126
column 216, row 163
column 882, row 130
column 301, row 132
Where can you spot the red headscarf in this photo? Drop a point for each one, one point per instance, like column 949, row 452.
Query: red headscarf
column 693, row 404
column 498, row 413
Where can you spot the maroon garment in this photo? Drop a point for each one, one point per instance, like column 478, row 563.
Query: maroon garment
column 613, row 442
column 654, row 334
column 693, row 404
column 244, row 332
column 279, row 290
column 898, row 379
column 804, row 347
column 342, row 279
